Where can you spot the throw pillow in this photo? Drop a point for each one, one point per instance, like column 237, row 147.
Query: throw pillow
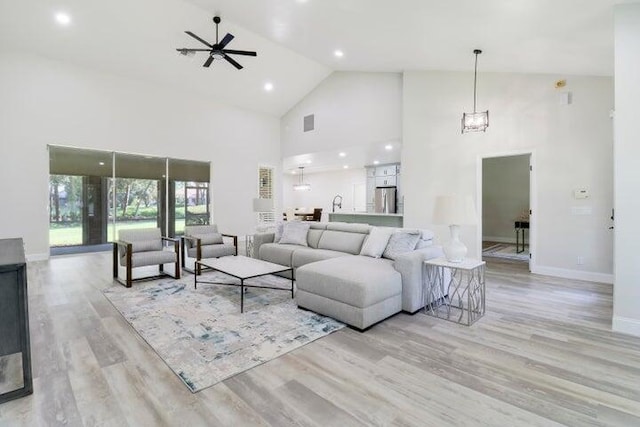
column 401, row 242
column 424, row 244
column 278, row 232
column 295, row 233
column 376, row 242
column 426, row 239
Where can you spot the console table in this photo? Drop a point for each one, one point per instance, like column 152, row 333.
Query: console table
column 461, row 298
column 15, row 353
column 520, row 226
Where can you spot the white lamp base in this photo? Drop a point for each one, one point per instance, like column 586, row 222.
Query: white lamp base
column 455, row 250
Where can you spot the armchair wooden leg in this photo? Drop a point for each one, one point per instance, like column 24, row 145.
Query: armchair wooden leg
column 129, row 278
column 177, row 268
column 198, row 257
column 183, row 251
column 115, row 261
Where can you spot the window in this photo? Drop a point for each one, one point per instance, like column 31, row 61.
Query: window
column 93, row 194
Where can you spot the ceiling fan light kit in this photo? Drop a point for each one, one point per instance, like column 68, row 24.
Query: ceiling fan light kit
column 476, row 121
column 216, row 50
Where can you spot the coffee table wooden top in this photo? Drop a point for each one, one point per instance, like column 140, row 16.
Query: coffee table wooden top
column 243, row 267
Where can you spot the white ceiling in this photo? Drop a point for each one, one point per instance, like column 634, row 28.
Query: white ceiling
column 138, row 39
column 540, row 36
column 355, row 157
column 295, row 39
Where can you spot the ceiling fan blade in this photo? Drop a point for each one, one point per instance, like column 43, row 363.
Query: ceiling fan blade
column 233, row 62
column 208, row 62
column 240, row 52
column 198, row 38
column 184, row 49
column 225, row 40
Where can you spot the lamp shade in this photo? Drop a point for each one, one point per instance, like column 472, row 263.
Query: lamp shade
column 454, row 209
column 262, row 205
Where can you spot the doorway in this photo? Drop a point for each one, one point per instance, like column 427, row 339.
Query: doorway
column 506, row 203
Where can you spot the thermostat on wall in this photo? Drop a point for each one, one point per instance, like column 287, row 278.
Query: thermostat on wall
column 581, row 193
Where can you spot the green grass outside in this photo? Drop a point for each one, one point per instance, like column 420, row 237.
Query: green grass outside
column 72, row 235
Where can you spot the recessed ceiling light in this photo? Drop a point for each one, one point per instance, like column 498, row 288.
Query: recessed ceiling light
column 388, row 147
column 346, row 166
column 338, row 53
column 268, row 86
column 308, row 162
column 293, row 172
column 101, row 163
column 376, row 162
column 342, row 154
column 63, row 18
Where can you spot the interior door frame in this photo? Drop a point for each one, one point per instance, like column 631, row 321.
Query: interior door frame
column 533, row 199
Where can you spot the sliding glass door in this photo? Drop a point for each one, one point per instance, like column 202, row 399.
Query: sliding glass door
column 78, row 187
column 94, row 194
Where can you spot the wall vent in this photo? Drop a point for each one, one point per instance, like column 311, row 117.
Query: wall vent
column 309, row 122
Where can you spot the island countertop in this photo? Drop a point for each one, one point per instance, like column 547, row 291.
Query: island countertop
column 371, row 218
column 366, row 213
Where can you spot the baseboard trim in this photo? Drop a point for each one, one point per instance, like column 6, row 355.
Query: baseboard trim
column 626, row 325
column 37, row 257
column 588, row 276
column 499, row 239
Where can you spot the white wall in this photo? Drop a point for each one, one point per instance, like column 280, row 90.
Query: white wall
column 572, row 145
column 48, row 102
column 324, row 187
column 351, row 109
column 626, row 305
column 505, row 196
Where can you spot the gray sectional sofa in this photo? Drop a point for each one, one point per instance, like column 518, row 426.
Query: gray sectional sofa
column 333, row 279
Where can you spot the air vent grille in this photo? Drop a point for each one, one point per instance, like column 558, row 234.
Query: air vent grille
column 309, row 122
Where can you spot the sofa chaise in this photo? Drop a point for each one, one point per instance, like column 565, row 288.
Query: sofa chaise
column 338, row 275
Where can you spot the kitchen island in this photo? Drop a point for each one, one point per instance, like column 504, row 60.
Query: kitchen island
column 378, row 219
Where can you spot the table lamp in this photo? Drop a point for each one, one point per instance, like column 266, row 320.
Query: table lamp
column 454, row 211
column 261, row 205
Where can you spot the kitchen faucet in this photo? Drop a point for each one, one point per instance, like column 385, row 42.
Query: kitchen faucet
column 336, row 203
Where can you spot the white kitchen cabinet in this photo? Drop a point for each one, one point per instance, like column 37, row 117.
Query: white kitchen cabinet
column 386, row 170
column 385, row 181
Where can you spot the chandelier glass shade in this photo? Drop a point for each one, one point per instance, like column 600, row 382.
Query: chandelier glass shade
column 478, row 121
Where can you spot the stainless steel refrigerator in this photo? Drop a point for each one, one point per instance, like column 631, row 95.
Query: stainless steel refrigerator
column 385, row 200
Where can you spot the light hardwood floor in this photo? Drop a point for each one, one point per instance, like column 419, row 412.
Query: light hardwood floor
column 543, row 355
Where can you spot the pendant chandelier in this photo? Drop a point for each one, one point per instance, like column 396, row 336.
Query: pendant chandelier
column 476, row 121
column 301, row 185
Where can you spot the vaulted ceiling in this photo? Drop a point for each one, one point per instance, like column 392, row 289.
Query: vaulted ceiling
column 296, row 39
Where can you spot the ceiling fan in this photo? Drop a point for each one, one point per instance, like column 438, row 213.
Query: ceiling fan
column 217, row 50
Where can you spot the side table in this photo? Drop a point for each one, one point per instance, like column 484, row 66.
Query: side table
column 248, row 241
column 521, row 226
column 460, row 297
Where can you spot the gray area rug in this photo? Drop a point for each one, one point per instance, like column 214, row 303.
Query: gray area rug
column 201, row 334
column 507, row 251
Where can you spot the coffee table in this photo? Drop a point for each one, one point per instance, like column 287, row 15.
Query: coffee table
column 242, row 268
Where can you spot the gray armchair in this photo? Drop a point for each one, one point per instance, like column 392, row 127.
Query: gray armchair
column 143, row 247
column 204, row 241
